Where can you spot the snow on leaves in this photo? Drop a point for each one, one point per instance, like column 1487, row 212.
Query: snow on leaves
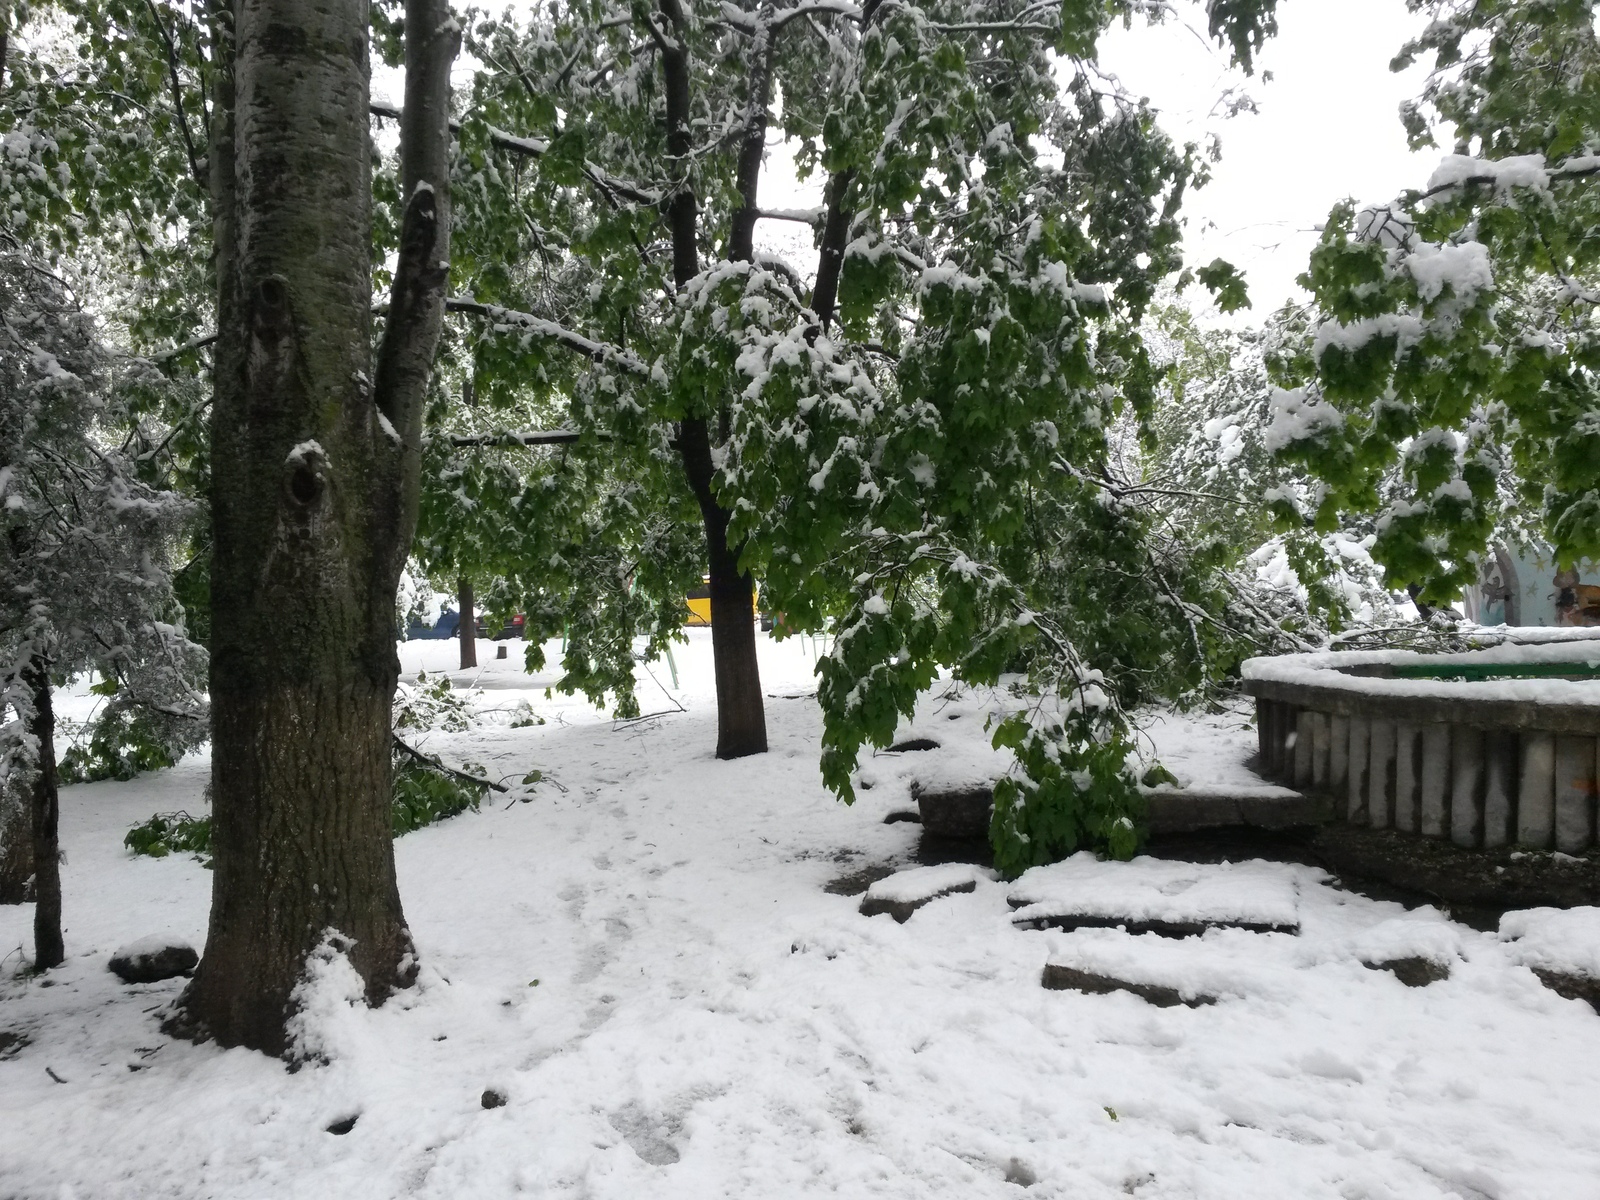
column 1454, row 336
column 880, row 437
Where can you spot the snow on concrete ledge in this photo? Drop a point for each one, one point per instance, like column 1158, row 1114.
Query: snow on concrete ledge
column 1162, row 896
column 1331, row 670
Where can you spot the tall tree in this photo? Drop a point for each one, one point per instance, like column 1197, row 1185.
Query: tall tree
column 867, row 435
column 315, row 455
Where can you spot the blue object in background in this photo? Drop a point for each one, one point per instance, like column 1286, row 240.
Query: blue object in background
column 445, row 627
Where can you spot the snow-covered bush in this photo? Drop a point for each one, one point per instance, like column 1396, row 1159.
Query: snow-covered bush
column 430, row 704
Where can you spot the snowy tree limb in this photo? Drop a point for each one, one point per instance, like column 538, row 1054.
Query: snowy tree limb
column 515, row 437
column 600, row 352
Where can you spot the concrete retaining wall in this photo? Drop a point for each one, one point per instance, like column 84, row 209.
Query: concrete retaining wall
column 1484, row 773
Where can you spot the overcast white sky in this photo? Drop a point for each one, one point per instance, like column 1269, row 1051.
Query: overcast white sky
column 1328, row 127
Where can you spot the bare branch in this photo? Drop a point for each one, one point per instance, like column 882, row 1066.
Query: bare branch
column 430, row 761
column 200, row 176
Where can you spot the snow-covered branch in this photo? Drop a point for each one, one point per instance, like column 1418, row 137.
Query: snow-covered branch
column 505, row 320
column 518, row 437
column 1502, row 174
column 746, row 22
column 525, row 147
column 803, row 216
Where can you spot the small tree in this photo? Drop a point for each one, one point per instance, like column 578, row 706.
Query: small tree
column 84, row 555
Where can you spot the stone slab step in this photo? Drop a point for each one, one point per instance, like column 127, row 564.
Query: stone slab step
column 1186, row 810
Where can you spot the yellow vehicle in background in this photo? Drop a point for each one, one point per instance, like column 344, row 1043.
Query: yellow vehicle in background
column 699, row 602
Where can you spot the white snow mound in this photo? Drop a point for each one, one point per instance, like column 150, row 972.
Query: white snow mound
column 327, row 1002
column 1555, row 939
column 923, row 883
column 1151, row 889
column 1411, row 936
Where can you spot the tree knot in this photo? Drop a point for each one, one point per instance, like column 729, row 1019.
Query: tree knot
column 306, row 473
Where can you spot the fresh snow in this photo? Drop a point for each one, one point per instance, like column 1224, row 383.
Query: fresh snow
column 641, row 958
column 1150, row 889
column 922, row 883
column 1519, row 170
column 1553, row 939
column 1518, row 647
column 1206, row 752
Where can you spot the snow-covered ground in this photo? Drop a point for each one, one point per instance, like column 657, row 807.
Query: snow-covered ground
column 639, row 955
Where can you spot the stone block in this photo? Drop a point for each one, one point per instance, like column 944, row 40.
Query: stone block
column 1467, row 748
column 1407, row 775
column 1061, row 978
column 152, row 959
column 1574, row 793
column 1321, row 750
column 1360, row 770
column 954, row 812
column 1302, row 749
column 1536, row 792
column 1434, row 780
column 1338, row 754
column 1499, row 787
column 1381, row 764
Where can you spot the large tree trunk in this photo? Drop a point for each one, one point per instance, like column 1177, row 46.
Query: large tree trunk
column 315, row 458
column 741, row 712
column 467, row 631
column 45, row 819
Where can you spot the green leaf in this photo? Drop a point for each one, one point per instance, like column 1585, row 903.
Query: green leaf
column 1226, row 285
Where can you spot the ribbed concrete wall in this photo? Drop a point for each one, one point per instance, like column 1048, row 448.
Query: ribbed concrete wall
column 1477, row 785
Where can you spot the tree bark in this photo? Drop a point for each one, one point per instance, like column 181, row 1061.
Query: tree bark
column 467, row 631
column 836, row 224
column 830, row 255
column 741, row 712
column 315, row 460
column 45, row 818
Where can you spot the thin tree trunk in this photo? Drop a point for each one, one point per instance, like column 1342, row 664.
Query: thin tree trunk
column 45, row 818
column 830, row 255
column 836, row 224
column 315, row 457
column 741, row 713
column 467, row 631
column 16, row 843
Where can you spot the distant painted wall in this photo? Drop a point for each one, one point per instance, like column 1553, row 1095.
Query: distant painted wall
column 1523, row 581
